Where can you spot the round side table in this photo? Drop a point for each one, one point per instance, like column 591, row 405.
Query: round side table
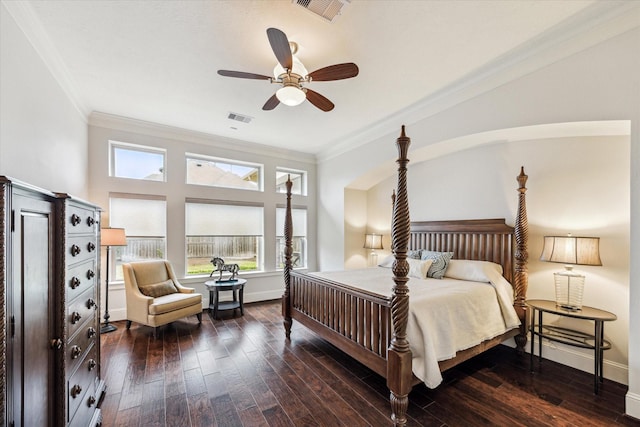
column 215, row 287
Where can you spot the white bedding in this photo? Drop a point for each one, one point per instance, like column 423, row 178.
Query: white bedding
column 445, row 315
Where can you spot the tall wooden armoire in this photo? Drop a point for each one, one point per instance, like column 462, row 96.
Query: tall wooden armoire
column 49, row 295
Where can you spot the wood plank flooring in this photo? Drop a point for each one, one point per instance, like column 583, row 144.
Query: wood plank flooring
column 242, row 372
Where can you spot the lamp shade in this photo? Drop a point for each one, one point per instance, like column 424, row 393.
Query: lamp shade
column 571, row 250
column 113, row 237
column 373, row 241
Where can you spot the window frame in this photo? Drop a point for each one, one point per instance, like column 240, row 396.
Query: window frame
column 260, row 250
column 303, row 176
column 113, row 145
column 214, row 159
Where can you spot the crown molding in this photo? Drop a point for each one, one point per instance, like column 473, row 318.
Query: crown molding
column 26, row 19
column 127, row 124
column 596, row 24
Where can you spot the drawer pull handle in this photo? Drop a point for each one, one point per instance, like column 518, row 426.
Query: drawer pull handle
column 91, row 332
column 91, row 303
column 75, row 250
column 90, row 274
column 90, row 221
column 76, row 390
column 91, row 401
column 75, row 282
column 75, row 352
column 75, row 220
column 91, row 246
column 75, row 317
column 92, row 364
column 56, row 344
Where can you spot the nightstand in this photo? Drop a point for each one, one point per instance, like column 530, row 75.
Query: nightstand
column 571, row 337
column 215, row 287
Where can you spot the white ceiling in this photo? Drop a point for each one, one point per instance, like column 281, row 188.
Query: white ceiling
column 157, row 60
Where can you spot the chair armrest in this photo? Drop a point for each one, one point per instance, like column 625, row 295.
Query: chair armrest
column 183, row 289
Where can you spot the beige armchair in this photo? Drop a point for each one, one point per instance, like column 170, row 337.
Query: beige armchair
column 154, row 295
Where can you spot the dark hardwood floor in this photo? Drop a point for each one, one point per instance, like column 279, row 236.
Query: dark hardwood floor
column 242, row 372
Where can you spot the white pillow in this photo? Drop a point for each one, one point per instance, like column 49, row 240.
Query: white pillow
column 417, row 268
column 387, row 262
column 474, row 271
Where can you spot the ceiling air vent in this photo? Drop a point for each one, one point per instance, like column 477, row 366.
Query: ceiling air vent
column 239, row 117
column 329, row 10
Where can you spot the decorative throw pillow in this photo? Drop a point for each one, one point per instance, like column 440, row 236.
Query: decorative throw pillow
column 415, row 254
column 156, row 290
column 439, row 264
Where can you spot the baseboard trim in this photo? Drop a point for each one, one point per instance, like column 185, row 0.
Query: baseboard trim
column 583, row 361
column 632, row 405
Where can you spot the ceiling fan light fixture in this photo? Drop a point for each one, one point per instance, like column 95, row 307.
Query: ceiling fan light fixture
column 291, row 95
column 296, row 68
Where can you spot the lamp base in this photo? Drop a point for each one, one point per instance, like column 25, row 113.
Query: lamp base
column 107, row 327
column 569, row 290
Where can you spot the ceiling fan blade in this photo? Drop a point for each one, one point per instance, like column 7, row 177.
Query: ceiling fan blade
column 280, row 46
column 243, row 75
column 319, row 101
column 271, row 103
column 335, row 72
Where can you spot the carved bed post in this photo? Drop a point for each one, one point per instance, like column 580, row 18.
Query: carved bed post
column 521, row 279
column 399, row 374
column 288, row 236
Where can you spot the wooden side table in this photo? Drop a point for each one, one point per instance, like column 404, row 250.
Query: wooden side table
column 236, row 286
column 595, row 342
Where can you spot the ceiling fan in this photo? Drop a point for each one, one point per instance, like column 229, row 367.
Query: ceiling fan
column 292, row 75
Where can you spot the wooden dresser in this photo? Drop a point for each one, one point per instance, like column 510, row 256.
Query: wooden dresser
column 50, row 354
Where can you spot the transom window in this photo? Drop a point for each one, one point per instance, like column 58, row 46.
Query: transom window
column 137, row 161
column 231, row 231
column 298, row 180
column 217, row 172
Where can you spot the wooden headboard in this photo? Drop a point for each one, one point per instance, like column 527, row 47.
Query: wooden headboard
column 476, row 239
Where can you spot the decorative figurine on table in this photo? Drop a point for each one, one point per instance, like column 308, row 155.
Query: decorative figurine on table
column 220, row 266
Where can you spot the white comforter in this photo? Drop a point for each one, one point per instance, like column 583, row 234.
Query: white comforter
column 445, row 316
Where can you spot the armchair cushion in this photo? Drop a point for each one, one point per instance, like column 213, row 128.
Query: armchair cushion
column 172, row 302
column 160, row 289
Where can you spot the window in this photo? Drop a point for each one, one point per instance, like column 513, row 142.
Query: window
column 231, row 231
column 215, row 172
column 137, row 161
column 298, row 179
column 299, row 242
column 144, row 219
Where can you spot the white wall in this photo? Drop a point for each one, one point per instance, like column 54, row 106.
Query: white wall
column 598, row 83
column 43, row 137
column 261, row 285
column 572, row 187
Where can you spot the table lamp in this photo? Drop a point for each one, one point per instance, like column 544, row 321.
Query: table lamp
column 110, row 237
column 373, row 241
column 570, row 250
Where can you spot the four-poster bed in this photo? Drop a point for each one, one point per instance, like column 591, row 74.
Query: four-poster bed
column 372, row 328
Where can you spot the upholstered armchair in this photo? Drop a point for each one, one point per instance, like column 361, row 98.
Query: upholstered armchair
column 155, row 297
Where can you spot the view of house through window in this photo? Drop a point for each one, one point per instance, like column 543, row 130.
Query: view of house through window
column 137, row 161
column 299, row 241
column 298, row 180
column 233, row 232
column 144, row 220
column 215, row 172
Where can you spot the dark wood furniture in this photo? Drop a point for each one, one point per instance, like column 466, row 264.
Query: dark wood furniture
column 595, row 342
column 215, row 287
column 371, row 328
column 48, row 287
